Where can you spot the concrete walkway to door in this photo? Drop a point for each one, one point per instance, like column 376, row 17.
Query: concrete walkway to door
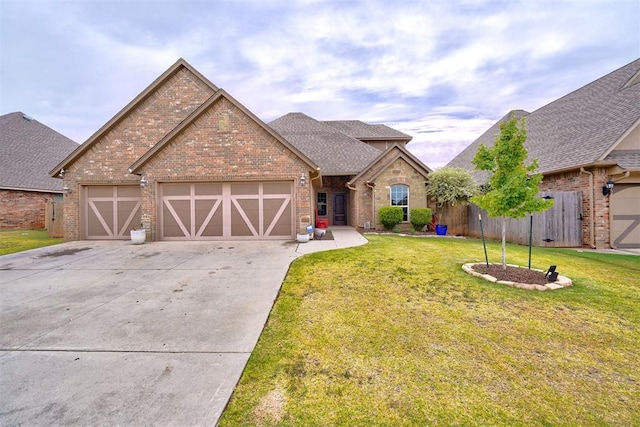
column 110, row 333
column 343, row 237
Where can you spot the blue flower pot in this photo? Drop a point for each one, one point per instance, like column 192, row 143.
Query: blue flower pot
column 441, row 229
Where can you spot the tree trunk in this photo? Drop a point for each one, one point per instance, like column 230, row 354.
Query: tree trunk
column 504, row 243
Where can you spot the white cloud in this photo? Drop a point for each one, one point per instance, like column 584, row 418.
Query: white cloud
column 442, row 71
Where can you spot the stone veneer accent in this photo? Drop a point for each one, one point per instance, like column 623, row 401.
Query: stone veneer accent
column 369, row 200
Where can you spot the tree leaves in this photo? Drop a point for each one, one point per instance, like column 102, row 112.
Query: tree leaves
column 513, row 185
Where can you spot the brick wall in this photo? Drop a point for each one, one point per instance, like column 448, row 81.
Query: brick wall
column 109, row 158
column 580, row 181
column 23, row 209
column 223, row 144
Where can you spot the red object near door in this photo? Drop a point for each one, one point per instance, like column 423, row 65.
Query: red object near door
column 322, row 222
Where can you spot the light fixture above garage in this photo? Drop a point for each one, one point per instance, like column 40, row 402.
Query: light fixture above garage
column 143, row 182
column 606, row 189
column 303, row 180
column 66, row 190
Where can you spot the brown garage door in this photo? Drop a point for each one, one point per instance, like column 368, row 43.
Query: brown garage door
column 625, row 216
column 111, row 212
column 226, row 210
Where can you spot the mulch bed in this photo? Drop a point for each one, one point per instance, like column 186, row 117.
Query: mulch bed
column 512, row 274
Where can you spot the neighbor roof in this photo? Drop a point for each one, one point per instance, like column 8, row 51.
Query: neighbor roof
column 579, row 129
column 335, row 152
column 28, row 150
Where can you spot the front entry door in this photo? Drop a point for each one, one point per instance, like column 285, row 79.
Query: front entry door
column 339, row 209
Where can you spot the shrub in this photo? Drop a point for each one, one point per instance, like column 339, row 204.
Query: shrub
column 390, row 216
column 420, row 217
column 448, row 186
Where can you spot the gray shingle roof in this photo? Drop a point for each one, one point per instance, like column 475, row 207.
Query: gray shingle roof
column 333, row 151
column 578, row 129
column 28, row 151
column 365, row 131
column 625, row 158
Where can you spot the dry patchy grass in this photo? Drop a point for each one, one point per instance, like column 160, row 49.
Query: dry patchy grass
column 395, row 333
column 18, row 240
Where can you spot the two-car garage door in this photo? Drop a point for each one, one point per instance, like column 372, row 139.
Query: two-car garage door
column 195, row 211
column 226, row 210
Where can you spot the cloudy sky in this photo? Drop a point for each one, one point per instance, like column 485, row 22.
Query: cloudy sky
column 442, row 71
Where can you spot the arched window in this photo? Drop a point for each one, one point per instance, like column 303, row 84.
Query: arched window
column 400, row 197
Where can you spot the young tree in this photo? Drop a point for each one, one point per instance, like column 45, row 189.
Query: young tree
column 513, row 186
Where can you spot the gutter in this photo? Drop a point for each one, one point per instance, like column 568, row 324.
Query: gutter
column 32, row 190
column 592, row 220
column 598, row 164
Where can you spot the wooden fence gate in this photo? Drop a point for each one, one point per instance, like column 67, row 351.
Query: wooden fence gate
column 53, row 220
column 560, row 226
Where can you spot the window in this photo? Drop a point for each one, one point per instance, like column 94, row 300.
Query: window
column 400, row 197
column 321, row 203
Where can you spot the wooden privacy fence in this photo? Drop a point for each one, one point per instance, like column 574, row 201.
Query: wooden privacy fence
column 53, row 220
column 560, row 226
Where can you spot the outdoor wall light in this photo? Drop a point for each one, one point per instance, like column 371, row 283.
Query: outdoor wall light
column 303, row 180
column 66, row 190
column 606, row 189
column 143, row 182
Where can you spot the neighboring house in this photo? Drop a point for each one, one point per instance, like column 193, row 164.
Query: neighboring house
column 583, row 141
column 28, row 150
column 187, row 161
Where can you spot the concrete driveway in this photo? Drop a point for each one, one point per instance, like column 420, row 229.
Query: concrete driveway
column 110, row 333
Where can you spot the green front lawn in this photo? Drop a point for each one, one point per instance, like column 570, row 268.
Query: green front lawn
column 17, row 240
column 395, row 333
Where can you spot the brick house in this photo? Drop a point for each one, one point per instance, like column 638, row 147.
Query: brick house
column 363, row 168
column 583, row 141
column 187, row 161
column 28, row 150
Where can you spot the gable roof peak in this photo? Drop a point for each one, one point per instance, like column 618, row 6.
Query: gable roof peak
column 197, row 113
column 180, row 64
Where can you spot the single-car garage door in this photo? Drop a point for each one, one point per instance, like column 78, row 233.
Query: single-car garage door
column 625, row 216
column 226, row 210
column 111, row 212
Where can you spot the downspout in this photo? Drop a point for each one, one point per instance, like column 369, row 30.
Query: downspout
column 592, row 223
column 351, row 187
column 314, row 201
column 625, row 175
column 372, row 186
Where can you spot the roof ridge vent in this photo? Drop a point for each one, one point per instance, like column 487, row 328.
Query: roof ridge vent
column 28, row 118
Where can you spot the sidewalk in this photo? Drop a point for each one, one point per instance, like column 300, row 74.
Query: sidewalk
column 343, row 237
